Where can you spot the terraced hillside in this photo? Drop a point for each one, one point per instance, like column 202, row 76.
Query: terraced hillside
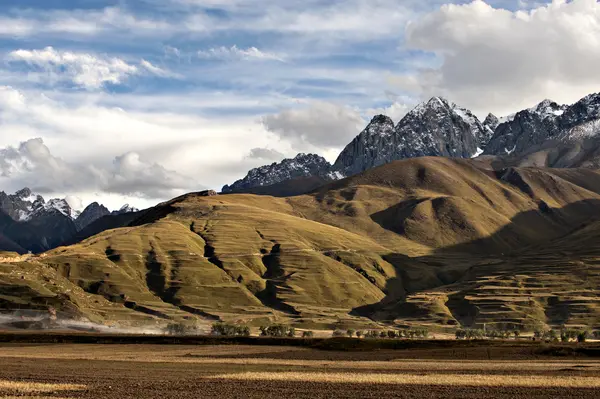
column 421, row 241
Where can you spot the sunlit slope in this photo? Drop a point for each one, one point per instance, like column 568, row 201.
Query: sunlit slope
column 228, row 257
column 427, row 240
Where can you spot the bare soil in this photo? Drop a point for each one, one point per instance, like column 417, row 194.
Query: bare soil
column 243, row 371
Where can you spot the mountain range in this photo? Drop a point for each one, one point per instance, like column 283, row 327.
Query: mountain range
column 548, row 134
column 439, row 220
column 29, row 223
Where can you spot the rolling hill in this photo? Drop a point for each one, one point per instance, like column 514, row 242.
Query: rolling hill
column 427, row 241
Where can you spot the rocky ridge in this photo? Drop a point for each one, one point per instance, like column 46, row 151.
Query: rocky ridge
column 303, row 165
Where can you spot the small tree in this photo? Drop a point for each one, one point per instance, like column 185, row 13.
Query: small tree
column 338, row 333
column 516, row 334
column 350, row 333
column 359, row 334
column 582, row 336
column 307, row 334
column 391, row 334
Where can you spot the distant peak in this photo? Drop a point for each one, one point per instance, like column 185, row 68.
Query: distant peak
column 437, row 101
column 24, row 193
column 381, row 120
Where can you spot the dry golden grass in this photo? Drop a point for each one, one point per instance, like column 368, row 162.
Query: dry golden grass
column 430, row 379
column 31, row 387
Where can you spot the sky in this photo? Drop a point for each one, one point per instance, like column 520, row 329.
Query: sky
column 137, row 101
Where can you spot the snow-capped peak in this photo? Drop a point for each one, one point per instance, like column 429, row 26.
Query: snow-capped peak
column 53, row 205
column 127, row 209
column 548, row 108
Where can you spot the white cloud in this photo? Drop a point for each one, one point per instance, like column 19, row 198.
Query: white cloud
column 396, row 111
column 266, row 154
column 499, row 60
column 158, row 71
column 31, row 164
column 83, row 129
column 28, row 22
column 320, row 125
column 235, row 53
column 85, row 70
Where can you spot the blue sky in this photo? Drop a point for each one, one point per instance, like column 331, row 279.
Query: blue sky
column 139, row 100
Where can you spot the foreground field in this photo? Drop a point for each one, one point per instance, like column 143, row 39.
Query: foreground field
column 238, row 371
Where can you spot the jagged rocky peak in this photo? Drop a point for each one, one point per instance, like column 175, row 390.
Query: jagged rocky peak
column 546, row 123
column 436, row 127
column 125, row 209
column 19, row 205
column 549, row 109
column 380, row 125
column 303, row 165
column 90, row 214
column 491, row 122
column 582, row 112
column 24, row 193
column 53, row 206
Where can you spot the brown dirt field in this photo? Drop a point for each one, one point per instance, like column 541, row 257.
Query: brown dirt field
column 238, row 371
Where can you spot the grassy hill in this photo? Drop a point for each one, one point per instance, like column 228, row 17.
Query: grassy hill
column 428, row 241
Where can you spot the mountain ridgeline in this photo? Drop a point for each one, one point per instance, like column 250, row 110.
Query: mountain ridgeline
column 29, row 223
column 548, row 134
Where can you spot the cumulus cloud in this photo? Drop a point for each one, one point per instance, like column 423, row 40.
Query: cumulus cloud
column 89, row 71
column 235, row 53
column 32, row 164
column 396, row 111
column 266, row 154
column 321, row 125
column 500, row 60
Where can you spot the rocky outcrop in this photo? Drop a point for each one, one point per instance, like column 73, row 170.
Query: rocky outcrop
column 525, row 129
column 433, row 128
column 303, row 165
column 90, row 214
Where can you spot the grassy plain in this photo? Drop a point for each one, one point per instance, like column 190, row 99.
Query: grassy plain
column 241, row 371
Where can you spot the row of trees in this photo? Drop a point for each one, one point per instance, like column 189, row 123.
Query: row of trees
column 407, row 334
column 564, row 335
column 467, row 333
column 230, row 330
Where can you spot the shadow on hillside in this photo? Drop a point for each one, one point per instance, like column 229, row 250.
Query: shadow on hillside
column 525, row 233
column 524, row 230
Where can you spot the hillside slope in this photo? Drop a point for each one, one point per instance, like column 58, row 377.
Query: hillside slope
column 426, row 241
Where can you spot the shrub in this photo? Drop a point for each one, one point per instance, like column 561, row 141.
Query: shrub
column 307, row 334
column 582, row 336
column 382, row 334
column 359, row 334
column 372, row 334
column 230, row 330
column 350, row 333
column 177, row 329
column 338, row 333
column 277, row 330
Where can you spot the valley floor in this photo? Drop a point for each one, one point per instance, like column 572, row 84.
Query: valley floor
column 240, row 371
